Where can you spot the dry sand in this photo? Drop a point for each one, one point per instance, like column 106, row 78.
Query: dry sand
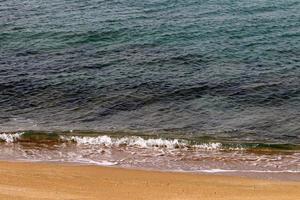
column 57, row 181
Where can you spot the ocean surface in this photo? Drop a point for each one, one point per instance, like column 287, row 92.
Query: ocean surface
column 206, row 85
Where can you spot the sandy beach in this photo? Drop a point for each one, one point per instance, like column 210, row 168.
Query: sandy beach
column 61, row 181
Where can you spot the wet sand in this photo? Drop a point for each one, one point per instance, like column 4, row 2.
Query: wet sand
column 61, row 181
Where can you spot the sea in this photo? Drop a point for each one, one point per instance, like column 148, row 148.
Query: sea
column 202, row 86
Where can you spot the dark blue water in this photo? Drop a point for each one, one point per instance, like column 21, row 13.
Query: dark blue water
column 220, row 68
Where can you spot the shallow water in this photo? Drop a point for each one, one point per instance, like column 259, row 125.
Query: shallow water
column 248, row 159
column 219, row 71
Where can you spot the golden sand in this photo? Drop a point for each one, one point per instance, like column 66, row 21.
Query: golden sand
column 57, row 181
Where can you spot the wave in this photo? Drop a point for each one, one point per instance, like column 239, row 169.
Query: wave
column 140, row 140
column 108, row 141
column 10, row 137
column 134, row 141
column 137, row 151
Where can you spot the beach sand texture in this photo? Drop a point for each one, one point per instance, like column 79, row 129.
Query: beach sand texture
column 56, row 181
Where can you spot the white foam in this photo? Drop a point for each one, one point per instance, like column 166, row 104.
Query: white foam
column 100, row 163
column 10, row 137
column 209, row 146
column 128, row 141
column 101, row 140
column 81, row 161
column 140, row 142
column 215, row 170
column 246, row 171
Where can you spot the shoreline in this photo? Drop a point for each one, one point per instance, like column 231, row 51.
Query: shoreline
column 28, row 180
column 263, row 161
column 257, row 175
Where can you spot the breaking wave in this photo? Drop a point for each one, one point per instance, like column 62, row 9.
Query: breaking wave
column 140, row 142
column 10, row 137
